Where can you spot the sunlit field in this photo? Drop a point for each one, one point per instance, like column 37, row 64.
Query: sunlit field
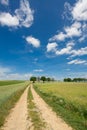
column 75, row 92
column 69, row 100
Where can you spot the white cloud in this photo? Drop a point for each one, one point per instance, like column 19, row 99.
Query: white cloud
column 70, row 31
column 79, row 52
column 6, row 19
column 77, row 29
column 74, row 30
column 77, row 61
column 70, row 44
column 33, row 41
column 38, row 70
column 79, row 11
column 70, row 51
column 52, row 47
column 66, row 50
column 4, row 2
column 4, row 70
column 7, row 74
column 17, row 76
column 22, row 16
column 58, row 37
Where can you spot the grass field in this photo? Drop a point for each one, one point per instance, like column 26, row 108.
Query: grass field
column 9, row 95
column 69, row 100
column 9, row 82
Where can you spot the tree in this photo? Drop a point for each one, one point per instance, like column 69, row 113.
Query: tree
column 33, row 79
column 48, row 79
column 79, row 80
column 43, row 78
column 67, row 80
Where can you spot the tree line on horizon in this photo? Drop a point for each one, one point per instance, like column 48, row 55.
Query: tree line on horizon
column 48, row 79
column 42, row 78
column 75, row 80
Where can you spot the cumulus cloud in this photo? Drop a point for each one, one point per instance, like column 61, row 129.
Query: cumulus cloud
column 73, row 52
column 76, row 31
column 77, row 61
column 79, row 52
column 4, row 2
column 58, row 37
column 73, row 30
column 70, row 31
column 66, row 50
column 52, row 47
column 22, row 16
column 33, row 41
column 6, row 19
column 79, row 11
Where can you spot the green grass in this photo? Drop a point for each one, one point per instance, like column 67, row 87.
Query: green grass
column 9, row 82
column 9, row 95
column 69, row 100
column 37, row 122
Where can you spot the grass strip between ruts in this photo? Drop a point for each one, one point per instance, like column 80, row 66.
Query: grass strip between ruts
column 34, row 114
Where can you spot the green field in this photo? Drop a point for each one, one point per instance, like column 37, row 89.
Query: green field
column 69, row 100
column 9, row 95
column 9, row 82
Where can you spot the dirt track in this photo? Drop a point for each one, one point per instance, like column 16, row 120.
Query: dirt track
column 50, row 117
column 17, row 120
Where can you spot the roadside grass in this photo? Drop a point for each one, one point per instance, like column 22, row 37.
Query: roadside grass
column 62, row 98
column 34, row 114
column 9, row 95
column 9, row 82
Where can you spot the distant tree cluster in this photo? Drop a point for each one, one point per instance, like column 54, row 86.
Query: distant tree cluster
column 75, row 80
column 42, row 78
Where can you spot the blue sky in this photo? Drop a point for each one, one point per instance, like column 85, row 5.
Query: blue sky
column 43, row 38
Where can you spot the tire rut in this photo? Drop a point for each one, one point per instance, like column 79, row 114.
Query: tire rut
column 52, row 120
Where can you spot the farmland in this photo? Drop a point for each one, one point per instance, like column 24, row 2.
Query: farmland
column 9, row 95
column 9, row 82
column 69, row 100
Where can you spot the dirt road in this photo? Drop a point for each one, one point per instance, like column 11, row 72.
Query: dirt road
column 17, row 120
column 50, row 117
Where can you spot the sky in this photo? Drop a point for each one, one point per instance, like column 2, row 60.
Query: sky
column 43, row 37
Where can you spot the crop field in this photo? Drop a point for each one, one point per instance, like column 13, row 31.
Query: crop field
column 69, row 100
column 75, row 92
column 9, row 82
column 9, row 94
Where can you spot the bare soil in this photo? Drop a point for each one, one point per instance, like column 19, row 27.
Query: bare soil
column 17, row 120
column 52, row 120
